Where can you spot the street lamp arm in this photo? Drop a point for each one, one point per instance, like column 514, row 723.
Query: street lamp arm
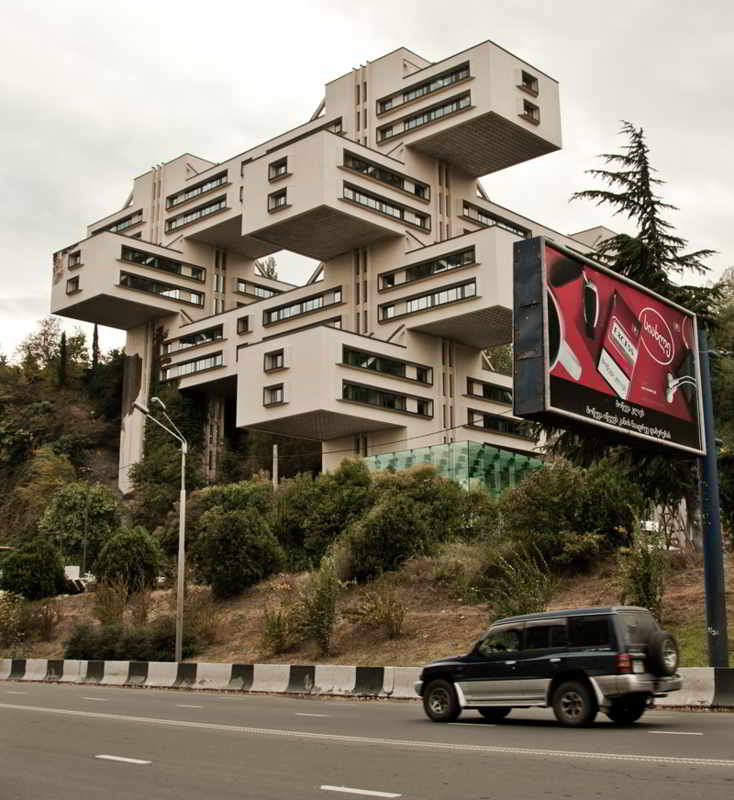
column 166, row 428
column 175, row 428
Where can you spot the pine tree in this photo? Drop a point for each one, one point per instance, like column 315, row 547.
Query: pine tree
column 654, row 257
column 95, row 347
column 63, row 356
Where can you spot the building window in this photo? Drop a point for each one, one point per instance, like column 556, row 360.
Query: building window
column 387, row 207
column 492, row 422
column 274, row 360
column 424, row 302
column 484, row 217
column 72, row 285
column 530, row 112
column 255, row 289
column 529, row 83
column 424, row 117
column 193, row 339
column 187, row 217
column 386, row 365
column 122, row 224
column 335, row 127
column 460, row 258
column 152, row 261
column 305, row 306
column 489, row 391
column 194, row 191
column 278, row 200
column 368, row 395
column 278, row 169
column 273, row 395
column 427, row 87
column 142, row 284
column 243, row 325
column 190, row 367
column 386, row 176
column 75, row 259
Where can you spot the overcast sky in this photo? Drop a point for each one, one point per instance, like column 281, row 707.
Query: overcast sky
column 93, row 94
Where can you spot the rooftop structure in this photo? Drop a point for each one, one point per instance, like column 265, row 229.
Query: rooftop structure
column 382, row 349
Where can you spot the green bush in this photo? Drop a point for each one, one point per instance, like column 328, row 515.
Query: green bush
column 380, row 609
column 132, row 556
column 642, row 571
column 34, row 570
column 387, row 535
column 11, row 627
column 277, row 634
column 523, row 585
column 235, row 550
column 79, row 513
column 316, row 606
column 295, row 503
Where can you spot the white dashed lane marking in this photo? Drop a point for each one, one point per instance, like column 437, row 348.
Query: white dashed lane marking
column 16, row 692
column 301, row 714
column 183, row 705
column 679, row 733
column 96, row 699
column 123, row 760
column 367, row 792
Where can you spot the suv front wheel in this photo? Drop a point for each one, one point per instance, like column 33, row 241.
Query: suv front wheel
column 574, row 704
column 440, row 702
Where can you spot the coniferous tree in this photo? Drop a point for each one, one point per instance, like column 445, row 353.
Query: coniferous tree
column 63, row 357
column 655, row 257
column 95, row 347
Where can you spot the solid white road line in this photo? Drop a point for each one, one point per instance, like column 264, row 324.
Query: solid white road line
column 9, row 692
column 124, row 760
column 96, row 699
column 300, row 714
column 676, row 761
column 368, row 792
column 183, row 705
column 679, row 733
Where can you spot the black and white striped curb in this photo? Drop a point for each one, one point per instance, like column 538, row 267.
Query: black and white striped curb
column 703, row 687
column 275, row 678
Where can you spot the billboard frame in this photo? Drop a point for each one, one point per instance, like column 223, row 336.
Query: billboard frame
column 530, row 297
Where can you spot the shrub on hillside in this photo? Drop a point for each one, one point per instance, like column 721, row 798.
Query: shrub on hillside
column 381, row 610
column 642, row 572
column 294, row 502
column 316, row 613
column 235, row 550
column 34, row 570
column 523, row 584
column 11, row 628
column 132, row 556
column 81, row 517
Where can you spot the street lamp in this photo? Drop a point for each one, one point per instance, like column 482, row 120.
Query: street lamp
column 181, row 566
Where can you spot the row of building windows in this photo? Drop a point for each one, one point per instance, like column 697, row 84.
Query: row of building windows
column 194, row 339
column 387, row 176
column 387, row 366
column 429, row 300
column 194, row 191
column 256, row 289
column 491, row 422
column 424, row 117
column 489, row 391
column 153, row 261
column 190, row 367
column 305, row 306
column 427, row 87
column 142, row 284
column 488, row 218
column 358, row 393
column 387, row 207
column 435, row 266
column 122, row 224
column 194, row 214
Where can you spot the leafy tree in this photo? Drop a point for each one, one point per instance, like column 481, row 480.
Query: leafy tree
column 235, row 550
column 34, row 570
column 654, row 257
column 81, row 518
column 131, row 556
column 39, row 350
column 267, row 267
column 500, row 357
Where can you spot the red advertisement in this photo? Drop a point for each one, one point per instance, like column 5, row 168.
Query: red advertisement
column 619, row 356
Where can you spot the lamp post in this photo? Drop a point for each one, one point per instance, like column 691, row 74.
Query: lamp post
column 181, row 564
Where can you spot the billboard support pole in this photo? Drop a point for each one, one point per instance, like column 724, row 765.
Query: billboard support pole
column 715, row 588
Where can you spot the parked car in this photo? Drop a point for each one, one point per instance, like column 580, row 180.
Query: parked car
column 577, row 662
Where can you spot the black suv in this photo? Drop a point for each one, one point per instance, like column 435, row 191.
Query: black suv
column 614, row 659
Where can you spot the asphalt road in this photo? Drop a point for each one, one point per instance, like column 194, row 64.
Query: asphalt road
column 59, row 742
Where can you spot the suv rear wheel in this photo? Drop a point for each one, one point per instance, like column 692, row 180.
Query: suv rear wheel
column 574, row 704
column 494, row 714
column 440, row 702
column 627, row 710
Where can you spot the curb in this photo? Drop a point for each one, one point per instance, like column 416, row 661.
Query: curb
column 703, row 687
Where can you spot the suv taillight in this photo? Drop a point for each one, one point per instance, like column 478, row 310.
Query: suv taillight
column 624, row 664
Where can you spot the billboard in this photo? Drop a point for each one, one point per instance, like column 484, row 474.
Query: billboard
column 595, row 349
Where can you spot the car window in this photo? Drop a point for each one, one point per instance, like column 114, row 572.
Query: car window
column 638, row 626
column 589, row 631
column 504, row 640
column 550, row 633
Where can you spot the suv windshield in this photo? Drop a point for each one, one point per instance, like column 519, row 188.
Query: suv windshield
column 637, row 626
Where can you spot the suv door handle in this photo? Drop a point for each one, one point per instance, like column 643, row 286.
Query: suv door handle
column 555, row 660
column 511, row 663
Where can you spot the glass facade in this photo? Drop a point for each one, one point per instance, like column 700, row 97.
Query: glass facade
column 473, row 465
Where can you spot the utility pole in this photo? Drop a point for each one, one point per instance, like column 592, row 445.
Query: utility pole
column 275, row 466
column 713, row 560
